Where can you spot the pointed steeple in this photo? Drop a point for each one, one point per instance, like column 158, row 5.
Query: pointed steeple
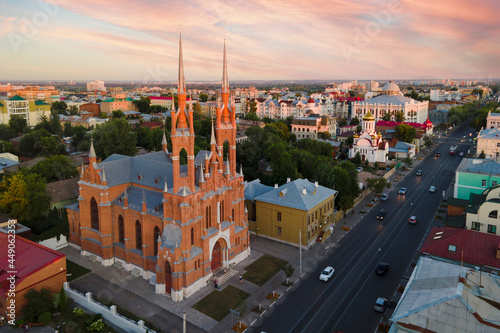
column 212, row 139
column 92, row 150
column 202, row 177
column 83, row 169
column 225, row 82
column 165, row 188
column 143, row 197
column 241, row 170
column 228, row 172
column 164, row 144
column 103, row 175
column 125, row 194
column 182, row 84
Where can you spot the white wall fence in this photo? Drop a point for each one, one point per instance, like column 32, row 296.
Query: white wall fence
column 54, row 244
column 109, row 314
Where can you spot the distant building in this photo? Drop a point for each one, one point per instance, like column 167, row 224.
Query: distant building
column 482, row 211
column 93, row 108
column 488, row 142
column 110, row 105
column 97, row 85
column 444, row 297
column 282, row 211
column 493, row 120
column 45, row 94
column 31, row 110
column 310, row 127
column 165, row 102
column 36, row 267
column 390, row 102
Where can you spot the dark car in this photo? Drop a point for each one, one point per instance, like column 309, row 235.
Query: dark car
column 381, row 214
column 382, row 268
column 419, row 173
column 380, row 305
column 437, row 154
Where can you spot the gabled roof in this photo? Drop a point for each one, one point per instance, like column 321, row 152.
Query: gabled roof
column 443, row 297
column 41, row 103
column 16, row 98
column 63, row 189
column 1, row 104
column 146, row 170
column 291, row 195
column 489, row 133
column 482, row 166
column 30, row 258
column 135, row 194
column 478, row 247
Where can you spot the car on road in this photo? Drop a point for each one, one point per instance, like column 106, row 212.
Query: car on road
column 419, row 173
column 382, row 268
column 384, row 197
column 359, row 169
column 432, row 189
column 461, row 154
column 381, row 214
column 327, row 273
column 412, row 219
column 380, row 305
column 403, row 190
column 437, row 154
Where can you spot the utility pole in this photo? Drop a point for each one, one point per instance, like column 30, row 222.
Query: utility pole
column 300, row 250
column 184, row 322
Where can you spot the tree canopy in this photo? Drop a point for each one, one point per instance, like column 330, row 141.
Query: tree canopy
column 54, row 168
column 405, row 133
column 114, row 137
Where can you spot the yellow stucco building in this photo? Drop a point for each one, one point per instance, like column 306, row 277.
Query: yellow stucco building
column 281, row 212
column 31, row 110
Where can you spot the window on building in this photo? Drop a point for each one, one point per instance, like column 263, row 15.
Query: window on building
column 493, row 214
column 94, row 214
column 206, row 218
column 279, row 216
column 483, row 182
column 222, row 210
column 138, row 235
column 476, row 226
column 192, row 236
column 278, row 231
column 121, row 230
column 498, row 144
column 452, row 248
column 492, row 229
column 156, row 235
column 494, row 183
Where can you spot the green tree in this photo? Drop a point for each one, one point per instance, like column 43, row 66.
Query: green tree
column 387, row 116
column 103, row 115
column 7, row 133
column 67, row 129
column 7, row 147
column 203, row 97
column 405, row 132
column 59, row 107
column 298, row 95
column 54, row 168
column 251, row 116
column 55, row 124
column 39, row 303
column 23, row 196
column 142, row 104
column 250, row 106
column 197, row 107
column 478, row 92
column 482, row 154
column 63, row 301
column 41, row 142
column 354, row 121
column 114, row 137
column 73, row 110
column 342, row 122
column 428, row 141
column 17, row 123
column 117, row 114
column 359, row 128
column 357, row 158
column 399, row 116
column 377, row 185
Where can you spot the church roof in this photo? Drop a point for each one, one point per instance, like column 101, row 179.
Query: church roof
column 135, row 194
column 388, row 99
column 369, row 116
column 291, row 195
column 148, row 170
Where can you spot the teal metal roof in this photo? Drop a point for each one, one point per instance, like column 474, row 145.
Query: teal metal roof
column 41, row 103
column 291, row 195
column 16, row 98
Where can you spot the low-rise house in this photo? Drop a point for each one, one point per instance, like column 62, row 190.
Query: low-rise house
column 474, row 176
column 63, row 193
column 482, row 211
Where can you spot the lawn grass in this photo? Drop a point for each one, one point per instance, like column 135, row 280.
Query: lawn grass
column 217, row 304
column 263, row 269
column 75, row 270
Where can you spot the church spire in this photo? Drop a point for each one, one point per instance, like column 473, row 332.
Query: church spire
column 164, row 144
column 182, row 84
column 92, row 150
column 212, row 139
column 225, row 82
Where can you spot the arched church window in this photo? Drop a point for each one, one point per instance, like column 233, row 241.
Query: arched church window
column 94, row 214
column 138, row 235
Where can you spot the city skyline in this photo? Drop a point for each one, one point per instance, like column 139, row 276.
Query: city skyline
column 125, row 40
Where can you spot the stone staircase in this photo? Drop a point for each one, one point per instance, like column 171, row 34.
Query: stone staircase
column 221, row 279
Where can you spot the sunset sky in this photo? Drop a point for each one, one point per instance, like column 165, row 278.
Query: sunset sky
column 266, row 40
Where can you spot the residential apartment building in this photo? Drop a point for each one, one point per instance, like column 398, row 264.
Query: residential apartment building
column 493, row 120
column 482, row 212
column 166, row 102
column 310, row 127
column 46, row 94
column 488, row 142
column 110, row 105
column 31, row 110
column 97, row 85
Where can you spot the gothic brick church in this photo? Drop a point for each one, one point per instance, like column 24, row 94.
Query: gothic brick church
column 173, row 224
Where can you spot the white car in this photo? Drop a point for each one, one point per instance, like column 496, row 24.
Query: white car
column 432, row 189
column 326, row 274
column 359, row 169
column 384, row 197
column 402, row 190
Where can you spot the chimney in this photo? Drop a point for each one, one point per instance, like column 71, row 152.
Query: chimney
column 275, row 185
column 315, row 184
column 304, row 191
column 288, row 180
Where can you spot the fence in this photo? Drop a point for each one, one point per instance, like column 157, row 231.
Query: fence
column 109, row 314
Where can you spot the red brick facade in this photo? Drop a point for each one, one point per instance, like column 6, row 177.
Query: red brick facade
column 176, row 223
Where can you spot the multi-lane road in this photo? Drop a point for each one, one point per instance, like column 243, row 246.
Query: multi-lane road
column 345, row 302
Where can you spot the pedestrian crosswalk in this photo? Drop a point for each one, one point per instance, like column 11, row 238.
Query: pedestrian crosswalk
column 226, row 276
